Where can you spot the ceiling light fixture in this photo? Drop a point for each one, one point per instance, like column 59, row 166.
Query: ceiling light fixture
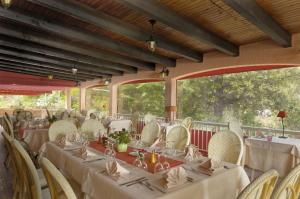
column 164, row 73
column 74, row 71
column 107, row 81
column 6, row 3
column 50, row 77
column 151, row 42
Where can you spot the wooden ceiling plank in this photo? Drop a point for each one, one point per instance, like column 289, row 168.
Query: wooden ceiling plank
column 86, row 36
column 154, row 9
column 66, row 64
column 68, row 46
column 45, row 50
column 255, row 14
column 49, row 71
column 90, row 15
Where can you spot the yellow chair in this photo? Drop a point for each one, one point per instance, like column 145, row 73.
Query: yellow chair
column 289, row 188
column 58, row 185
column 262, row 187
column 30, row 182
column 226, row 146
column 187, row 122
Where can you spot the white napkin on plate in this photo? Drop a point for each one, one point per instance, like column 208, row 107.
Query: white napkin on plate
column 208, row 167
column 61, row 141
column 82, row 153
column 192, row 153
column 174, row 177
column 115, row 170
column 72, row 137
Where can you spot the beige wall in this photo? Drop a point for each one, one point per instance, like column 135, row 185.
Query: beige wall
column 255, row 54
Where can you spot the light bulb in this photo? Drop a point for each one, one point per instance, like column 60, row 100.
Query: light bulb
column 74, row 71
column 6, row 3
column 151, row 45
column 50, row 77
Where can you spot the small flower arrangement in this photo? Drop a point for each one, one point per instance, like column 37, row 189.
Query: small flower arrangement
column 121, row 137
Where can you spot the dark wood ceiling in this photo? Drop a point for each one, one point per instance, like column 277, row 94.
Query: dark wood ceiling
column 48, row 38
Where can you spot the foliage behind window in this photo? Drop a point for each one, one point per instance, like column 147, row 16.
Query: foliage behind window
column 97, row 98
column 253, row 97
column 143, row 98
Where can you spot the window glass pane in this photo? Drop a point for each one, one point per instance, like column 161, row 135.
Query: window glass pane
column 97, row 98
column 253, row 97
column 75, row 98
column 143, row 98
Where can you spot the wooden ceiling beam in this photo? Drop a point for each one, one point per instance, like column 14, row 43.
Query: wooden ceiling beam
column 85, row 36
column 43, row 65
column 54, row 52
column 113, row 24
column 155, row 10
column 30, row 72
column 66, row 64
column 255, row 14
column 43, row 39
column 49, row 71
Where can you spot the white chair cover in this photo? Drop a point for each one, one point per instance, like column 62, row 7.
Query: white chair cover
column 61, row 127
column 226, row 146
column 180, row 136
column 150, row 132
column 92, row 127
column 58, row 113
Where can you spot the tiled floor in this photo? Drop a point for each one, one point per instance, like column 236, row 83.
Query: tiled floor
column 5, row 175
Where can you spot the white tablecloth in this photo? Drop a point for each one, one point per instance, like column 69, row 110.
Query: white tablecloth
column 35, row 138
column 118, row 125
column 223, row 185
column 280, row 154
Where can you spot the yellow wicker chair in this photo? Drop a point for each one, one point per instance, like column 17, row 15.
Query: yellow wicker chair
column 289, row 188
column 262, row 187
column 187, row 122
column 31, row 186
column 180, row 136
column 58, row 185
column 150, row 132
column 226, row 146
column 61, row 127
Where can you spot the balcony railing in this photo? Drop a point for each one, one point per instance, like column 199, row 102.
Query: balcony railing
column 201, row 132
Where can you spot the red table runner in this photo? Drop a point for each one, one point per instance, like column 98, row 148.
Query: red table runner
column 129, row 159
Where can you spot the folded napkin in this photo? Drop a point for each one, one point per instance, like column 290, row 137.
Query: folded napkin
column 115, row 170
column 82, row 153
column 174, row 177
column 208, row 167
column 61, row 141
column 72, row 137
column 192, row 153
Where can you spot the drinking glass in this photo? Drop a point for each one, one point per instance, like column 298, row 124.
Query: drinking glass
column 140, row 162
column 158, row 167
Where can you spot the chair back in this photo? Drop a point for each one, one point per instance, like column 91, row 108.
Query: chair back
column 289, row 188
column 28, row 173
column 8, row 127
column 262, row 187
column 226, row 146
column 179, row 136
column 59, row 187
column 61, row 127
column 149, row 118
column 150, row 132
column 187, row 122
column 92, row 127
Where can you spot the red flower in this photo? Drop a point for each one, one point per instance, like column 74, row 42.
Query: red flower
column 282, row 114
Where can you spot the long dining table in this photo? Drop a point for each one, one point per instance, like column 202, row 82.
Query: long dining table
column 90, row 174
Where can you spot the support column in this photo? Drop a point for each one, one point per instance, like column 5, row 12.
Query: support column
column 68, row 98
column 170, row 95
column 113, row 99
column 82, row 98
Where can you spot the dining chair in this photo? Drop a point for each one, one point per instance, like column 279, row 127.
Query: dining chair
column 226, row 146
column 289, row 188
column 150, row 133
column 179, row 137
column 58, row 185
column 149, row 118
column 61, row 127
column 92, row 127
column 28, row 175
column 187, row 122
column 262, row 187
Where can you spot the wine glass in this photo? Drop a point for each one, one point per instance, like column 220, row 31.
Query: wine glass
column 158, row 167
column 140, row 161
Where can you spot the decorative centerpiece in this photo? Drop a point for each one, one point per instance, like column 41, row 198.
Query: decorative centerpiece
column 282, row 114
column 122, row 139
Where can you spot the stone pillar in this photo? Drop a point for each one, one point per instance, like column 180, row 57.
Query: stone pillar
column 82, row 98
column 68, row 98
column 170, row 95
column 113, row 99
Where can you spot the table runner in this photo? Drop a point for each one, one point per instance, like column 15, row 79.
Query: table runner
column 129, row 159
